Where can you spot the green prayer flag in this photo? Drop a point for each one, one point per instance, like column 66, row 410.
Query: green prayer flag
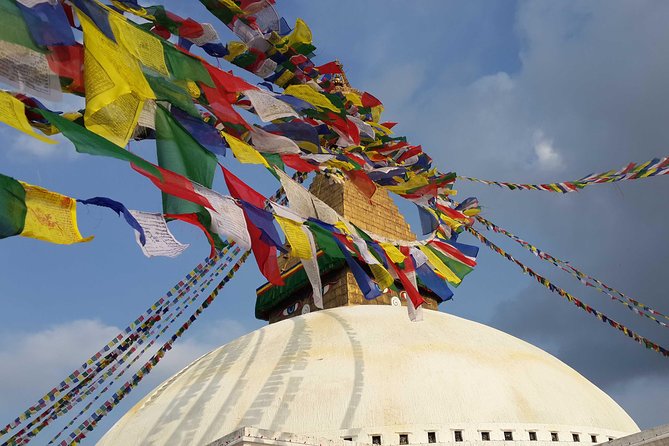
column 88, row 142
column 12, row 207
column 325, row 240
column 179, row 152
column 13, row 28
column 184, row 67
column 166, row 90
column 458, row 268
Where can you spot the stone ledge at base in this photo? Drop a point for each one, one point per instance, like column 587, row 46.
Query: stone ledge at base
column 657, row 436
column 247, row 436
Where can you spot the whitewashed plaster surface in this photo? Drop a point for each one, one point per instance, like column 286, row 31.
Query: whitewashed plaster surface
column 367, row 370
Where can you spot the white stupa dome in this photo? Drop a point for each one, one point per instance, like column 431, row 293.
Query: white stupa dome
column 368, row 371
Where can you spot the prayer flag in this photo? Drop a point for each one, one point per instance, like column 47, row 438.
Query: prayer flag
column 244, row 152
column 227, row 218
column 120, row 209
column 439, row 265
column 433, row 282
column 35, row 212
column 158, row 240
column 12, row 207
column 298, row 240
column 88, row 142
column 115, row 86
column 241, row 190
column 12, row 113
column 47, row 22
column 270, row 143
column 206, row 135
column 306, row 93
column 180, row 153
column 268, row 107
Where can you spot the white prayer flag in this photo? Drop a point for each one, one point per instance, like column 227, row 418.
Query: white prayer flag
column 159, row 239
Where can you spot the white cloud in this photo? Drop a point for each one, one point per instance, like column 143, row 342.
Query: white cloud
column 34, row 362
column 25, row 148
column 548, row 158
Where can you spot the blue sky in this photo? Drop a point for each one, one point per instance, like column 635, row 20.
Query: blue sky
column 517, row 91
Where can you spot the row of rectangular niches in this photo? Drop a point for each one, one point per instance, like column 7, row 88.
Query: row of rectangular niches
column 510, row 435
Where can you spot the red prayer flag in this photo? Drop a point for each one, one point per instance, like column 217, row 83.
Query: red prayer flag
column 369, row 101
column 190, row 29
column 193, row 220
column 68, row 62
column 411, row 290
column 361, row 180
column 175, row 184
column 241, row 190
column 264, row 253
column 294, row 161
column 330, row 68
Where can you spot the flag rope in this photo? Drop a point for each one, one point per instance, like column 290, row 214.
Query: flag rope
column 87, row 368
column 89, row 424
column 542, row 280
column 67, row 402
column 654, row 167
column 172, row 317
column 585, row 279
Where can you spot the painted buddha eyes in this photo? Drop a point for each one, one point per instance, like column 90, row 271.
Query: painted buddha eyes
column 291, row 309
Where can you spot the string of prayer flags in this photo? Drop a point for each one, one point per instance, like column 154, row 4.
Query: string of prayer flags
column 542, row 280
column 86, row 384
column 638, row 307
column 81, row 431
column 152, row 334
column 651, row 168
column 35, row 212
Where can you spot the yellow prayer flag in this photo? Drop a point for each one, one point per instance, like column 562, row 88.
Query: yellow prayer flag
column 301, row 34
column 235, row 48
column 381, row 275
column 439, row 265
column 284, row 78
column 395, row 255
column 310, row 95
column 452, row 223
column 413, row 182
column 146, row 47
column 12, row 113
column 342, row 165
column 232, row 7
column 51, row 217
column 244, row 152
column 379, row 127
column 354, row 98
column 342, row 227
column 299, row 242
column 115, row 86
column 376, row 113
